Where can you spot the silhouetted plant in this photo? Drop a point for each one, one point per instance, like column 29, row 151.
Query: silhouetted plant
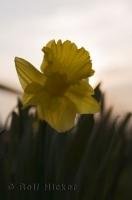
column 95, row 157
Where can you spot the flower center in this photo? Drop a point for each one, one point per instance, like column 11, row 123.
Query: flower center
column 56, row 84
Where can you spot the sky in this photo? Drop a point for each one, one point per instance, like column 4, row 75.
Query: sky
column 103, row 27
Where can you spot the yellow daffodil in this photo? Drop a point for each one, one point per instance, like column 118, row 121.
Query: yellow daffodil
column 61, row 90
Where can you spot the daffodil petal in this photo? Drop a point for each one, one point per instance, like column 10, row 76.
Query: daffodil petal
column 59, row 112
column 66, row 58
column 80, row 95
column 33, row 94
column 27, row 73
column 33, row 88
column 28, row 100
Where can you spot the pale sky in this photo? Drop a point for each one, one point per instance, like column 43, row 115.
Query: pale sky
column 102, row 27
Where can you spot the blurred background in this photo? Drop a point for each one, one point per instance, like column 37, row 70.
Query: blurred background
column 102, row 27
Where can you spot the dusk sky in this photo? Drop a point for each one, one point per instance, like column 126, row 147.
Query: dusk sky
column 102, row 27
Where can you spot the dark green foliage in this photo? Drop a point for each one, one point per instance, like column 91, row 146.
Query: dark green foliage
column 94, row 158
